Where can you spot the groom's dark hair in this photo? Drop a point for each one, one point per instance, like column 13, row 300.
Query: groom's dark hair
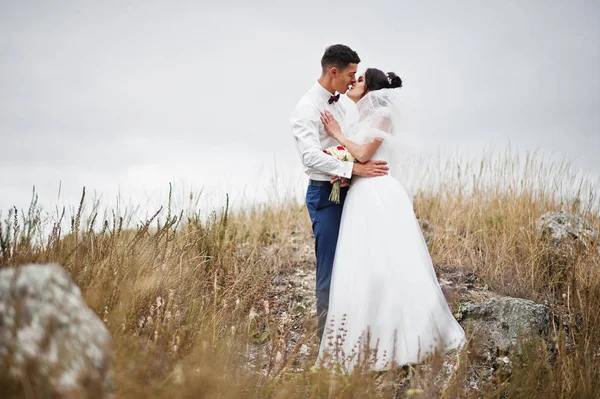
column 339, row 56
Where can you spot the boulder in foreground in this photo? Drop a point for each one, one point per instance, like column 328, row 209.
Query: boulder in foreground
column 51, row 343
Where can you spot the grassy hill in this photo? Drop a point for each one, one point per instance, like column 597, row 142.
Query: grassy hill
column 221, row 306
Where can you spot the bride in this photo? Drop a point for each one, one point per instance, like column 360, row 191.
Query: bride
column 386, row 307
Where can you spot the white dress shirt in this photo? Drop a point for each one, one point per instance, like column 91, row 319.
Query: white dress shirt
column 311, row 137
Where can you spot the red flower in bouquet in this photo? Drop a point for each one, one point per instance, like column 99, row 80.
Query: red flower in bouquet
column 341, row 153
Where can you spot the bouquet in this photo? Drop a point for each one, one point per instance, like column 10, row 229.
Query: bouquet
column 341, row 153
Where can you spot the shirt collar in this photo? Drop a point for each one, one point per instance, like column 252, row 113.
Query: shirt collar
column 321, row 92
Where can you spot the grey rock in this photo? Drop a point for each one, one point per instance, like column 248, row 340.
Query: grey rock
column 304, row 350
column 499, row 324
column 564, row 230
column 48, row 335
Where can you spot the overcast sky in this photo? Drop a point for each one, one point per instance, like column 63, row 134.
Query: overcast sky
column 126, row 96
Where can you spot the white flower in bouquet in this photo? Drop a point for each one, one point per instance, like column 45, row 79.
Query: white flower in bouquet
column 338, row 152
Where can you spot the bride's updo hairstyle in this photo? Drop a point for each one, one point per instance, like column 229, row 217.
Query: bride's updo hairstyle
column 376, row 79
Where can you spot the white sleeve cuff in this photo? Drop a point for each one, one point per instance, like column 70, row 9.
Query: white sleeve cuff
column 345, row 169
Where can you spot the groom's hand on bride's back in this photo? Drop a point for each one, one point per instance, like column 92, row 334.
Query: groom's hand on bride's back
column 370, row 169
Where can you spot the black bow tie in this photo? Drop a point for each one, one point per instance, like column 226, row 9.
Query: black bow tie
column 333, row 99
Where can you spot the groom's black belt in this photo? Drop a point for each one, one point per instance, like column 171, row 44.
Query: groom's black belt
column 318, row 183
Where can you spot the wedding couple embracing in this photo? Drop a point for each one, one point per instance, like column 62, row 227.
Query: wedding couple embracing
column 378, row 298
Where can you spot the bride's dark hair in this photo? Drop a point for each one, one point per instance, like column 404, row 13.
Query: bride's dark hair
column 376, row 79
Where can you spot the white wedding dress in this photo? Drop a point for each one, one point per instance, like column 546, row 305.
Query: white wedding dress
column 385, row 305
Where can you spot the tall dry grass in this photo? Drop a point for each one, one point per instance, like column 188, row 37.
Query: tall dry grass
column 187, row 295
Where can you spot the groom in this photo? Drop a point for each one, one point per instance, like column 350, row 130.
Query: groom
column 339, row 65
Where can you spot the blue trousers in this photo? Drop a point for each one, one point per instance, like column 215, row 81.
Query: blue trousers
column 325, row 217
